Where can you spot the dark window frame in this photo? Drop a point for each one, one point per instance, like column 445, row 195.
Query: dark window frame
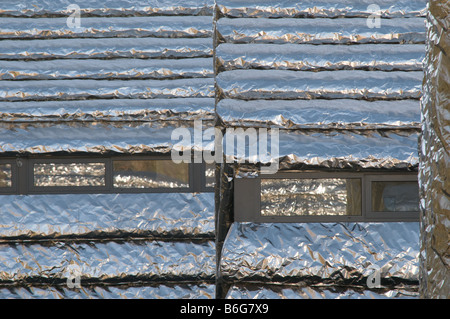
column 14, row 181
column 22, row 171
column 247, row 198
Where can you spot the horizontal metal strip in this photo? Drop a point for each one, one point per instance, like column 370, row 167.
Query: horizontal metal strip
column 110, row 8
column 321, row 8
column 160, row 27
column 107, row 69
column 340, row 113
column 312, row 31
column 105, row 48
column 243, row 290
column 105, row 261
column 306, row 57
column 122, row 215
column 111, row 109
column 337, row 252
column 99, row 138
column 300, row 149
column 101, row 89
column 276, row 84
column 164, row 290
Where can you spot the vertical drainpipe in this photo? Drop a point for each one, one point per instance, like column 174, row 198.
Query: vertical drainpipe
column 434, row 172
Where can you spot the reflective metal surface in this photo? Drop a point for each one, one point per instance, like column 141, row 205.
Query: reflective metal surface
column 320, row 9
column 143, row 110
column 95, row 137
column 318, row 113
column 344, row 95
column 106, row 48
column 310, row 197
column 341, row 149
column 104, row 69
column 326, row 57
column 160, row 291
column 435, row 157
column 108, row 8
column 342, row 31
column 333, row 253
column 51, row 28
column 103, row 89
column 121, row 82
column 107, row 261
column 254, row 291
column 288, row 85
column 93, row 216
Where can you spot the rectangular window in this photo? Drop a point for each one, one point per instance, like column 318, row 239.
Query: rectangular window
column 310, row 197
column 326, row 197
column 390, row 196
column 69, row 174
column 103, row 174
column 150, row 174
column 5, row 176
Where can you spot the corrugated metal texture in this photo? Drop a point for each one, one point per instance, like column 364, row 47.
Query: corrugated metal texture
column 159, row 215
column 120, row 82
column 249, row 291
column 319, row 9
column 339, row 254
column 108, row 261
column 160, row 291
column 435, row 157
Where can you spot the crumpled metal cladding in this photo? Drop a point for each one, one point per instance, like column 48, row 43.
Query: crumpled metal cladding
column 107, row 8
column 255, row 291
column 122, row 291
column 341, row 253
column 105, row 69
column 435, row 158
column 329, row 31
column 338, row 149
column 318, row 113
column 319, row 9
column 95, row 137
column 106, row 48
column 52, row 28
column 107, row 261
column 71, row 216
column 138, row 110
column 104, row 89
column 307, row 57
column 289, row 85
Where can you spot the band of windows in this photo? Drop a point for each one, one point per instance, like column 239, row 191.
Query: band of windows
column 103, row 175
column 323, row 196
